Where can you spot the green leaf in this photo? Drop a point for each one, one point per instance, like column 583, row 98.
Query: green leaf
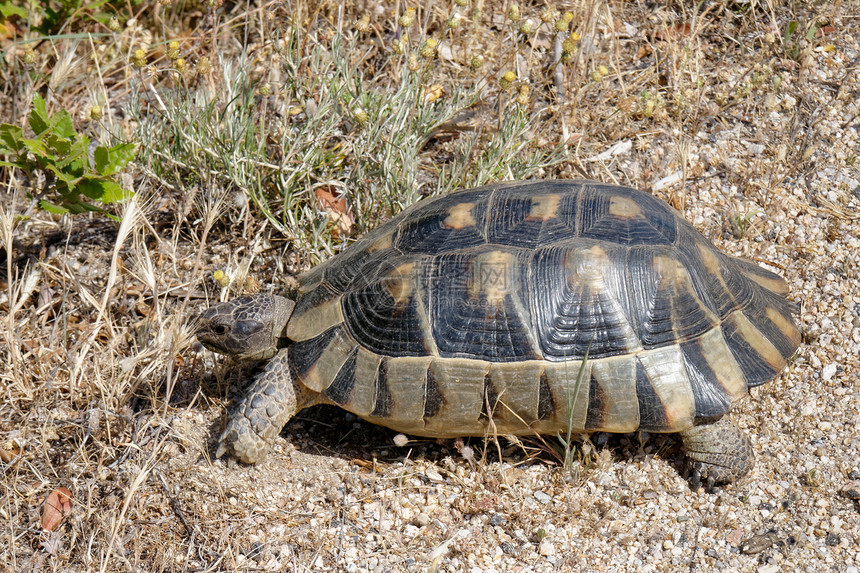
column 62, row 124
column 100, row 159
column 114, row 193
column 51, row 208
column 39, row 119
column 7, row 10
column 92, row 187
column 11, row 136
column 119, row 157
column 70, row 181
column 37, row 147
column 58, row 145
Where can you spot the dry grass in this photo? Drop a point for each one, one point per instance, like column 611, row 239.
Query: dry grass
column 104, row 391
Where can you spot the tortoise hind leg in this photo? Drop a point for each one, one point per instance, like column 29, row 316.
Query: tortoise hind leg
column 718, row 453
column 268, row 404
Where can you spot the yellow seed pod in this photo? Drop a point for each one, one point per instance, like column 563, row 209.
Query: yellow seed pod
column 96, row 113
column 428, row 50
column 264, row 90
column 454, row 20
column 461, row 3
column 180, row 65
column 29, row 56
column 407, row 18
column 506, row 82
column 514, row 13
column 476, row 62
column 138, row 58
column 221, row 278
column 113, row 24
column 173, row 49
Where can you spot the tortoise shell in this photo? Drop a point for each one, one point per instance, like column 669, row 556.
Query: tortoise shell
column 533, row 307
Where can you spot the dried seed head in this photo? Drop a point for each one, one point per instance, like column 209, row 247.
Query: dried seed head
column 96, row 113
column 29, row 56
column 113, row 24
column 600, row 73
column 514, row 13
column 549, row 15
column 203, row 66
column 412, row 63
column 527, row 27
column 407, row 18
column 476, row 62
column 400, row 44
column 180, row 66
column 523, row 96
column 454, row 20
column 264, row 89
column 363, row 23
column 461, row 3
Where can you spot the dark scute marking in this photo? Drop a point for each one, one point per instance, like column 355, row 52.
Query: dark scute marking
column 490, row 397
column 675, row 313
column 465, row 324
column 433, row 398
column 305, row 354
column 596, row 415
column 513, row 227
column 652, row 413
column 546, row 401
column 575, row 319
column 341, row 387
column 709, row 396
column 425, row 231
column 756, row 370
column 381, row 324
column 382, row 401
column 656, row 226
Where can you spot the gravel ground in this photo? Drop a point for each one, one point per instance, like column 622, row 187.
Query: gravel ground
column 777, row 181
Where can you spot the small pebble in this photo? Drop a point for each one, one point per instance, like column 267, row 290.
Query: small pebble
column 542, row 497
column 832, row 540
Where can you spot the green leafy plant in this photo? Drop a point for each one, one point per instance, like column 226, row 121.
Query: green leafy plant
column 73, row 180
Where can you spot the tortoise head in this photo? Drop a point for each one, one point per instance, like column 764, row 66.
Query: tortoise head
column 246, row 327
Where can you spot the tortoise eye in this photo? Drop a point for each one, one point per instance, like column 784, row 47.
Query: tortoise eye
column 220, row 329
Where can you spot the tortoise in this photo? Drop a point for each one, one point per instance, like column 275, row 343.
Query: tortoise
column 519, row 308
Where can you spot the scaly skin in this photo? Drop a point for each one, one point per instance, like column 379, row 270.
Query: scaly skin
column 717, row 453
column 267, row 406
column 249, row 327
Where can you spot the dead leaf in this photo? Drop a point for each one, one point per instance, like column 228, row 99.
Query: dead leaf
column 337, row 210
column 679, row 30
column 9, row 451
column 434, row 92
column 58, row 506
column 644, row 50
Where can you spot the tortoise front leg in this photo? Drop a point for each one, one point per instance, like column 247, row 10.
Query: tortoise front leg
column 269, row 403
column 718, row 453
